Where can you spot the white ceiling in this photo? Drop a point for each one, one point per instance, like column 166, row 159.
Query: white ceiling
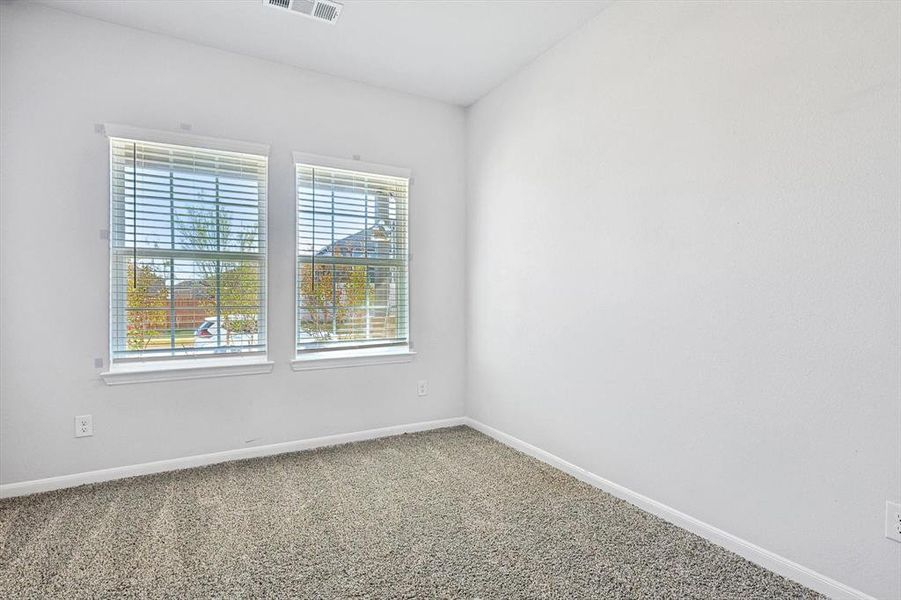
column 455, row 51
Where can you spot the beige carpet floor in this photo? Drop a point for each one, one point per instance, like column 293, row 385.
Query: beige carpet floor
column 441, row 514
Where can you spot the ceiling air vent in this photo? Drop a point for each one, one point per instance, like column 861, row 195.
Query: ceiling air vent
column 321, row 10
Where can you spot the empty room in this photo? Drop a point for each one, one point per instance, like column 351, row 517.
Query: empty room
column 460, row 299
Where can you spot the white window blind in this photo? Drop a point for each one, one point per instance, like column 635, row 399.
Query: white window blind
column 352, row 259
column 188, row 252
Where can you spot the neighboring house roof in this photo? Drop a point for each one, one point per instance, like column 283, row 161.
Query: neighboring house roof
column 374, row 238
column 192, row 289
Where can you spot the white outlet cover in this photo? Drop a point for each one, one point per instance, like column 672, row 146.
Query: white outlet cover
column 422, row 388
column 893, row 521
column 84, row 426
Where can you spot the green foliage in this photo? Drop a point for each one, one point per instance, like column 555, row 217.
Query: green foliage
column 239, row 282
column 240, row 292
column 356, row 292
column 334, row 300
column 146, row 296
column 316, row 285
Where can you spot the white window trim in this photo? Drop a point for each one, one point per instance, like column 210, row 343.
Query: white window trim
column 197, row 368
column 127, row 132
column 348, row 164
column 336, row 359
column 333, row 359
column 192, row 367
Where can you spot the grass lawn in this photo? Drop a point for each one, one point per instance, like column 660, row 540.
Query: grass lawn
column 183, row 338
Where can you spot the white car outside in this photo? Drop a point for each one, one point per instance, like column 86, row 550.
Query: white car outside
column 210, row 335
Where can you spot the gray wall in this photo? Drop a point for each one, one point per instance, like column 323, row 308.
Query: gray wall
column 684, row 267
column 61, row 74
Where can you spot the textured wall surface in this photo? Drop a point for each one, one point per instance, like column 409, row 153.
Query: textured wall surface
column 683, row 262
column 61, row 74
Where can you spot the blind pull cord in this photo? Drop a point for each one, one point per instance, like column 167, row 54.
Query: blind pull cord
column 134, row 215
column 313, row 257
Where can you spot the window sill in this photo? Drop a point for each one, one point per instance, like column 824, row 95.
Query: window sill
column 188, row 369
column 337, row 359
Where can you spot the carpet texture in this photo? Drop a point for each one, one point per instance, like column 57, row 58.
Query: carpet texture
column 441, row 514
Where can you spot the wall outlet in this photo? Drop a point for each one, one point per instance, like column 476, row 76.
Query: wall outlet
column 422, row 388
column 893, row 521
column 84, row 426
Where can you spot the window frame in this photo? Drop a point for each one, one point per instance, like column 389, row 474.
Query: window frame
column 189, row 366
column 362, row 356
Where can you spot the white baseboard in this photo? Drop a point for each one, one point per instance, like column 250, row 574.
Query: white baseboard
column 754, row 553
column 64, row 481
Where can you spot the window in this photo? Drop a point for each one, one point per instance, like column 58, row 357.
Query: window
column 352, row 256
column 188, row 252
